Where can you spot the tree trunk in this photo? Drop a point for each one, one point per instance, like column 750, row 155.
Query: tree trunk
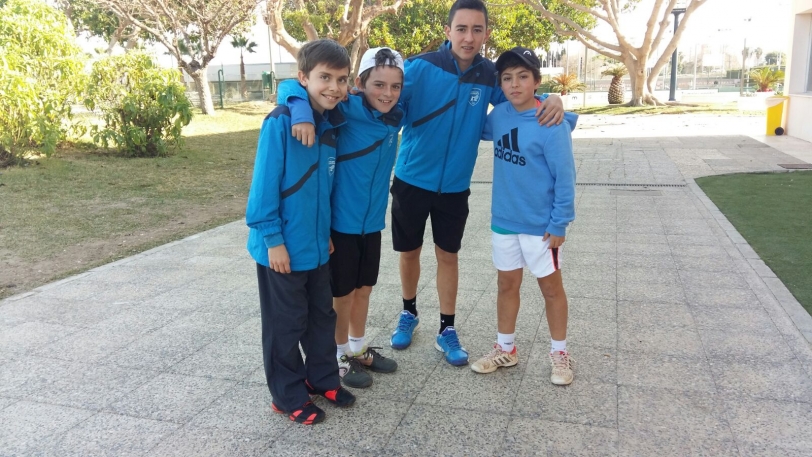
column 243, row 89
column 641, row 92
column 201, row 80
column 359, row 47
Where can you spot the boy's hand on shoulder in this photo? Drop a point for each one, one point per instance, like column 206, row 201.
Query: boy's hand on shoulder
column 305, row 132
column 555, row 241
column 279, row 259
column 551, row 111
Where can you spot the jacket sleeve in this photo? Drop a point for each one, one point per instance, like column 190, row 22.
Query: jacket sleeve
column 409, row 82
column 294, row 96
column 560, row 161
column 487, row 131
column 262, row 212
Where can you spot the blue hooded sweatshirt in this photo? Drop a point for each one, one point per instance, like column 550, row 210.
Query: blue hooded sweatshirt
column 533, row 172
column 289, row 200
column 365, row 156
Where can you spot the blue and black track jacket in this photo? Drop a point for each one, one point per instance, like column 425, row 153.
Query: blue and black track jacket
column 365, row 156
column 289, row 200
column 445, row 113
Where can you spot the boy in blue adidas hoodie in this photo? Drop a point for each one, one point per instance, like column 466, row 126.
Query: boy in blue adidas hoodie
column 288, row 214
column 366, row 150
column 533, row 202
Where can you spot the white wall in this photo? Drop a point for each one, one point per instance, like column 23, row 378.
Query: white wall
column 798, row 80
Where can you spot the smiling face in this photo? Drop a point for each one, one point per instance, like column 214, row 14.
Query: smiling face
column 382, row 87
column 325, row 86
column 519, row 86
column 467, row 33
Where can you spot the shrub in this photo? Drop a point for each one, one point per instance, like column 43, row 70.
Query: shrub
column 41, row 75
column 144, row 108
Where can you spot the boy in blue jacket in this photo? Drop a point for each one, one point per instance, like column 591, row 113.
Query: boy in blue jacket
column 532, row 204
column 366, row 150
column 288, row 213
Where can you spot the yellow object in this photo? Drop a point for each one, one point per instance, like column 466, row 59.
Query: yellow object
column 775, row 114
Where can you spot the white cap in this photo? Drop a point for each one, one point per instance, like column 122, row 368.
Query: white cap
column 368, row 60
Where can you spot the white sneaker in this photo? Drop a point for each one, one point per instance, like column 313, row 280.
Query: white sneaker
column 495, row 359
column 562, row 366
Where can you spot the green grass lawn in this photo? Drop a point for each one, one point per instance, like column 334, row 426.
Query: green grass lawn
column 771, row 211
column 83, row 207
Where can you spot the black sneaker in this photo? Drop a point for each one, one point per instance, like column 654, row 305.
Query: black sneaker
column 380, row 364
column 352, row 373
column 338, row 396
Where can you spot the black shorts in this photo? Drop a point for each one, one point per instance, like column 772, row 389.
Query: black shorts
column 411, row 206
column 355, row 261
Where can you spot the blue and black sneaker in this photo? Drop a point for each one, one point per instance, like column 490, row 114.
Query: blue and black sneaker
column 402, row 336
column 448, row 343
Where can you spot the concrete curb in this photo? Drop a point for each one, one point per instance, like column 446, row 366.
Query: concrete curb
column 760, row 271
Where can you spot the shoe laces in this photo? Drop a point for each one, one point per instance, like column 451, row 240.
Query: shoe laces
column 372, row 353
column 354, row 364
column 452, row 341
column 495, row 352
column 562, row 360
column 405, row 322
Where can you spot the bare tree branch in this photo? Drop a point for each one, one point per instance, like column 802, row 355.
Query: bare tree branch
column 353, row 22
column 539, row 6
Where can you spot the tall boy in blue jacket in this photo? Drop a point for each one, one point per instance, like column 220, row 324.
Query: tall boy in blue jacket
column 288, row 214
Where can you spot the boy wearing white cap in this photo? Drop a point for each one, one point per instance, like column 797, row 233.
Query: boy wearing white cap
column 367, row 145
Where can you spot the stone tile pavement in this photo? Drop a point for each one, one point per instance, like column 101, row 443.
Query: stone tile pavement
column 686, row 343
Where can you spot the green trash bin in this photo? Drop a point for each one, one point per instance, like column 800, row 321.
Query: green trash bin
column 268, row 81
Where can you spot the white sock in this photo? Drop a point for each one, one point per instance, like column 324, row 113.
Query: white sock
column 356, row 344
column 556, row 346
column 342, row 349
column 506, row 340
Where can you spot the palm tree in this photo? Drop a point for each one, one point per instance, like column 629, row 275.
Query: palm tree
column 242, row 43
column 617, row 73
column 765, row 78
column 566, row 83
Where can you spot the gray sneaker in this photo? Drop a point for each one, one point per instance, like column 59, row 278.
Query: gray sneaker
column 352, row 373
column 380, row 364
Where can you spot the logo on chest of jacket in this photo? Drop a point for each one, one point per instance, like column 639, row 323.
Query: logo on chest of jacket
column 391, row 139
column 476, row 94
column 331, row 165
column 507, row 148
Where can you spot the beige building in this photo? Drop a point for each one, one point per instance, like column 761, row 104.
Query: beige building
column 798, row 80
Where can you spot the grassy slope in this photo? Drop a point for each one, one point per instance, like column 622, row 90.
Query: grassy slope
column 85, row 208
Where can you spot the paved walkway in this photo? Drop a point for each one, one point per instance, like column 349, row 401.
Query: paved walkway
column 686, row 343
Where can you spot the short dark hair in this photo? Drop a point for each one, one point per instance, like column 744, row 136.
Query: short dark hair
column 510, row 60
column 477, row 5
column 382, row 58
column 325, row 51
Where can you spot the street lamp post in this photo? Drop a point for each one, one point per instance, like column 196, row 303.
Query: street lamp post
column 744, row 59
column 673, row 89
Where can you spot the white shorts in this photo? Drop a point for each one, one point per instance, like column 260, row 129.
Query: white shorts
column 511, row 252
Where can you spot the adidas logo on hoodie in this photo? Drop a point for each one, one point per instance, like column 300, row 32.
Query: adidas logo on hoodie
column 504, row 151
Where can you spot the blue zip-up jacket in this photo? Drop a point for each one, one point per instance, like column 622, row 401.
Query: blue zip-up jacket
column 365, row 156
column 533, row 172
column 445, row 114
column 289, row 200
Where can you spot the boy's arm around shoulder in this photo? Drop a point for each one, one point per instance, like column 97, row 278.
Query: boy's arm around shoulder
column 294, row 96
column 561, row 162
column 262, row 210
